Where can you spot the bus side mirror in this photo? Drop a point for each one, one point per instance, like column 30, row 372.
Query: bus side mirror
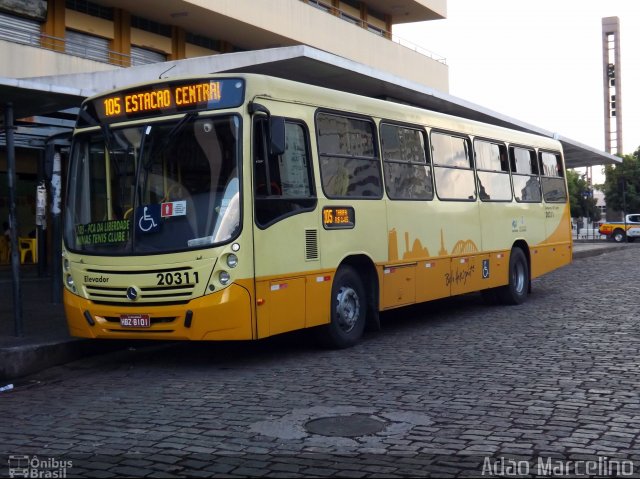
column 276, row 130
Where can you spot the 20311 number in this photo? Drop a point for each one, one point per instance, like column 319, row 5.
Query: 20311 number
column 169, row 279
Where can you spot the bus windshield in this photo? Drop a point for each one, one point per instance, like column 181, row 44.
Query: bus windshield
column 154, row 188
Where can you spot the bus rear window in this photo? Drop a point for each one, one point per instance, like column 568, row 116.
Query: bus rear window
column 553, row 185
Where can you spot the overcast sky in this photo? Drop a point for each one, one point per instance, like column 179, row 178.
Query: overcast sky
column 538, row 61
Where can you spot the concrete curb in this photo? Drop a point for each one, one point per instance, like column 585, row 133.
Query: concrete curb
column 22, row 360
column 587, row 253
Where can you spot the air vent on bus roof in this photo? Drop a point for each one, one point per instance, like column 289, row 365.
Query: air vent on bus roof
column 311, row 245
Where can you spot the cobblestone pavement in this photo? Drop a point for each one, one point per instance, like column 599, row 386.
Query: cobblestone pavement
column 454, row 388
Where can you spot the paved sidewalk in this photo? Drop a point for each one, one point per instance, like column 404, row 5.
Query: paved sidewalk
column 46, row 341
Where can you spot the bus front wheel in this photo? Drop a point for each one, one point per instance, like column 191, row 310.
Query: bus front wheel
column 348, row 310
column 518, row 288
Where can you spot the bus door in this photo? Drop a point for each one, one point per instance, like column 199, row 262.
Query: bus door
column 284, row 225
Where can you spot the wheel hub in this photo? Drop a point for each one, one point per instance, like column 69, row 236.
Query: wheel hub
column 519, row 279
column 347, row 308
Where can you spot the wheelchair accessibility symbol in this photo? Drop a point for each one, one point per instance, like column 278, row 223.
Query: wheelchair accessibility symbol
column 485, row 268
column 148, row 219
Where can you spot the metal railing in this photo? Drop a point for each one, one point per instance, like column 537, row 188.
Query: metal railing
column 376, row 30
column 64, row 45
column 586, row 231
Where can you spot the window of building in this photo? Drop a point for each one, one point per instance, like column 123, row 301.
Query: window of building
column 150, row 26
column 143, row 56
column 19, row 30
column 492, row 164
column 350, row 10
column 86, row 46
column 453, row 169
column 407, row 172
column 90, row 8
column 283, row 183
column 202, row 41
column 320, row 5
column 524, row 172
column 352, row 3
column 376, row 30
column 349, row 164
column 553, row 185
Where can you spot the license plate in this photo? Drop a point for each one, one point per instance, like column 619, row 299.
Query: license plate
column 135, row 321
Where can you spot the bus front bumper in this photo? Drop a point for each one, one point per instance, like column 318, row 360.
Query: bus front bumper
column 223, row 315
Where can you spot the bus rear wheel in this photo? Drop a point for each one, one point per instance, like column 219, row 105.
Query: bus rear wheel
column 348, row 310
column 518, row 288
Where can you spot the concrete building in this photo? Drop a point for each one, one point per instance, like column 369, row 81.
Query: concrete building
column 49, row 37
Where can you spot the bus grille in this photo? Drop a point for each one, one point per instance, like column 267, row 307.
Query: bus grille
column 156, row 294
column 148, row 295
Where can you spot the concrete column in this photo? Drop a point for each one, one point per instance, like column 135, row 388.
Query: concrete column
column 178, row 44
column 121, row 43
column 54, row 28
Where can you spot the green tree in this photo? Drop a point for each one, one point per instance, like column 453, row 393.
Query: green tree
column 624, row 176
column 581, row 199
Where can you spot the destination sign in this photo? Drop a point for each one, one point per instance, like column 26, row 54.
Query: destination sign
column 103, row 232
column 338, row 217
column 167, row 98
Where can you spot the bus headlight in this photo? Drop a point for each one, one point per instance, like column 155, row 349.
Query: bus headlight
column 65, row 263
column 70, row 283
column 224, row 278
column 232, row 261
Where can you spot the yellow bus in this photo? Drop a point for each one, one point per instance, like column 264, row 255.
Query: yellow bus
column 237, row 207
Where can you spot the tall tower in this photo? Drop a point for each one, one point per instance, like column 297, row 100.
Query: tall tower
column 612, row 84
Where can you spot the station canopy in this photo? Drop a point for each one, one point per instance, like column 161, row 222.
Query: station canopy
column 45, row 107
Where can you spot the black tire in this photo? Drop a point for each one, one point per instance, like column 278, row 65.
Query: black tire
column 518, row 288
column 348, row 311
column 618, row 236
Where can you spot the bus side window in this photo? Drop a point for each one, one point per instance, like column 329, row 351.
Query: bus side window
column 455, row 180
column 349, row 162
column 492, row 168
column 524, row 174
column 407, row 169
column 283, row 184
